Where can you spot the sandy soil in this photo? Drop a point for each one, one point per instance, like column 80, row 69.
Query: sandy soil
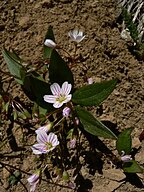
column 23, row 25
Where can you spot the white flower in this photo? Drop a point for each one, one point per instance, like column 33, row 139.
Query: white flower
column 125, row 158
column 76, row 35
column 45, row 128
column 50, row 43
column 33, row 180
column 60, row 95
column 66, row 112
column 46, row 143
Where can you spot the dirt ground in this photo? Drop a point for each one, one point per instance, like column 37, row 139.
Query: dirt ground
column 23, row 25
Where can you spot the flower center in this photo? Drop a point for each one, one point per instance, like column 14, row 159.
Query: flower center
column 61, row 98
column 48, row 145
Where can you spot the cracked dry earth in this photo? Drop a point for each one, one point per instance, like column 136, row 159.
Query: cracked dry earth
column 23, row 25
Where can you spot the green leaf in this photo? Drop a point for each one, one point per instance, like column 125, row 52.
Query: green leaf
column 14, row 65
column 47, row 51
column 94, row 94
column 92, row 125
column 124, row 141
column 59, row 72
column 35, row 89
column 132, row 167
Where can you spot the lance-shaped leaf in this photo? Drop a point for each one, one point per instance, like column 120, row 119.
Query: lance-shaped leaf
column 35, row 89
column 47, row 50
column 124, row 142
column 92, row 125
column 59, row 72
column 132, row 167
column 94, row 94
column 14, row 65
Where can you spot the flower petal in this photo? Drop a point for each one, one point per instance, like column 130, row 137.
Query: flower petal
column 55, row 89
column 33, row 178
column 80, row 33
column 38, row 148
column 50, row 98
column 52, row 138
column 70, row 35
column 58, row 104
column 75, row 33
column 68, row 98
column 66, row 88
column 33, row 187
column 79, row 38
column 41, row 136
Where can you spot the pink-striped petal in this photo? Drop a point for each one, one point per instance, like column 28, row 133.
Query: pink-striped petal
column 55, row 89
column 66, row 88
column 50, row 98
column 42, row 136
column 52, row 138
column 80, row 33
column 57, row 104
column 38, row 148
column 79, row 38
column 33, row 178
column 68, row 98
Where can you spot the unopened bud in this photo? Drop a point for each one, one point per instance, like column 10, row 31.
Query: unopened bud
column 45, row 128
column 76, row 121
column 71, row 185
column 65, row 176
column 90, row 80
column 50, row 43
column 66, row 112
column 72, row 143
column 125, row 158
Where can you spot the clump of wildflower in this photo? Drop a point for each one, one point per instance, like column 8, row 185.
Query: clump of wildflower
column 125, row 158
column 60, row 94
column 34, row 180
column 66, row 112
column 76, row 36
column 46, row 143
column 50, row 43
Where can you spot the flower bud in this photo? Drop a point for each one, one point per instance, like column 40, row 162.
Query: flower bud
column 65, row 176
column 45, row 128
column 34, row 180
column 76, row 121
column 50, row 43
column 72, row 143
column 90, row 80
column 71, row 185
column 66, row 112
column 125, row 158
